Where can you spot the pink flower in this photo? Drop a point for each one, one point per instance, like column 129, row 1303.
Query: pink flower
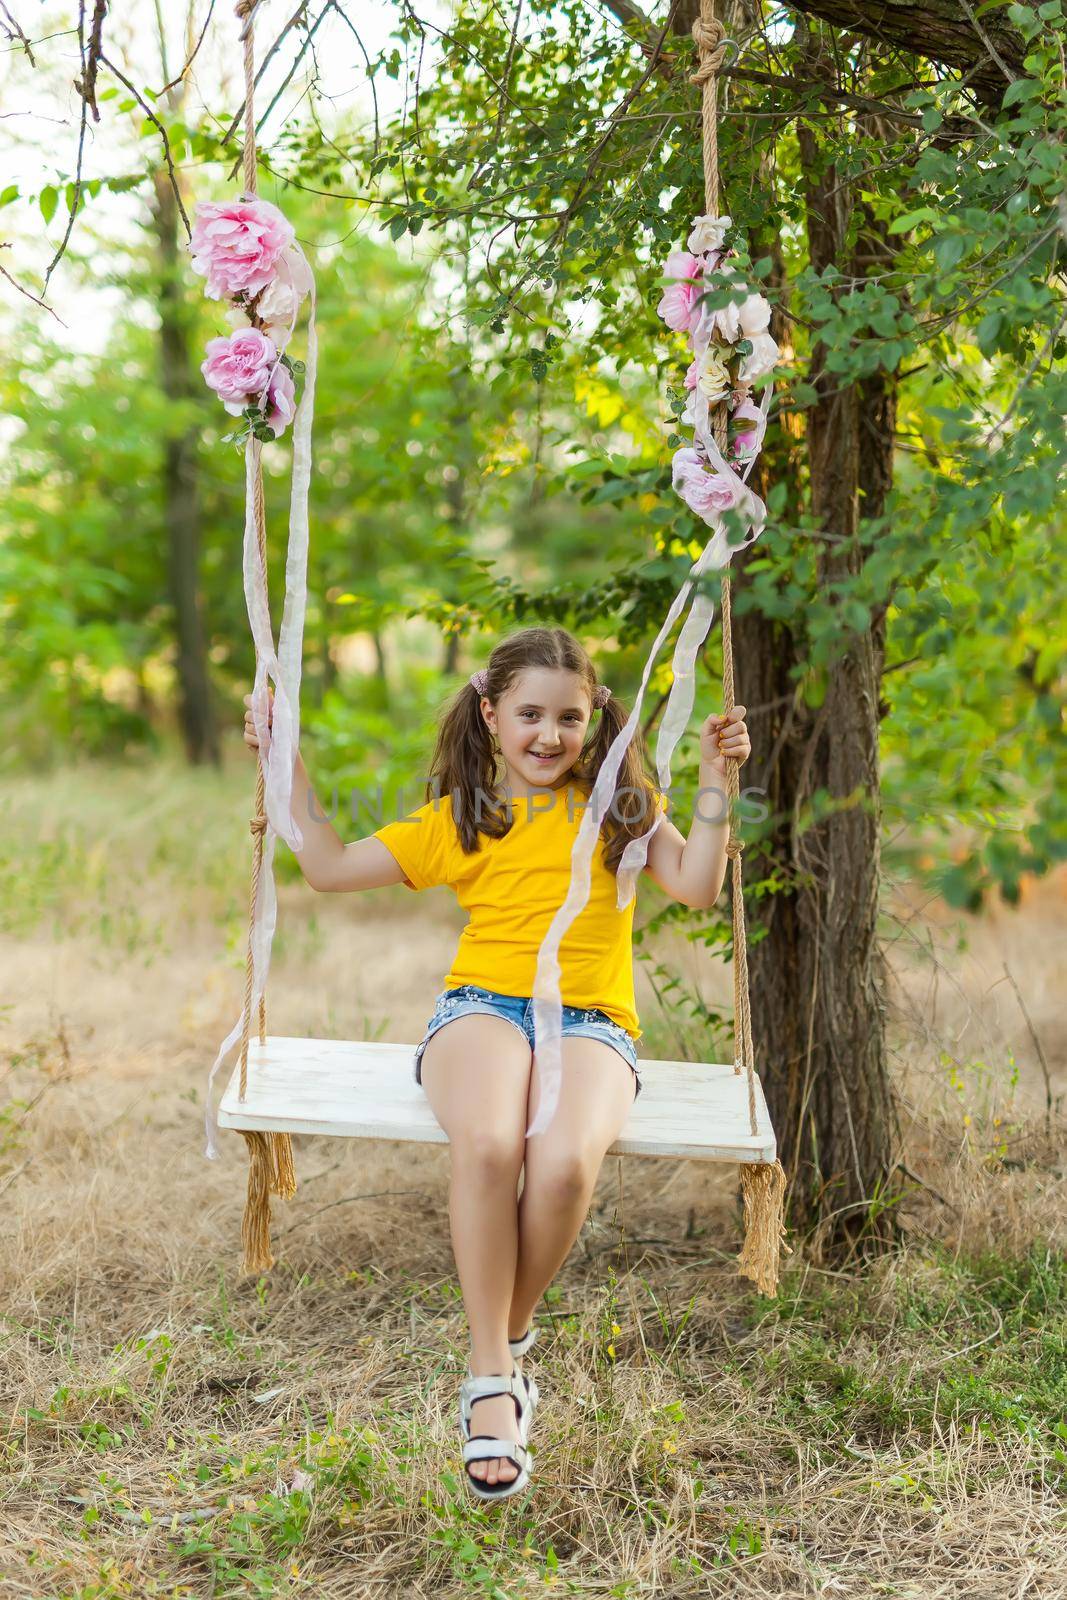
column 280, row 407
column 676, row 302
column 236, row 245
column 704, row 492
column 747, row 441
column 238, row 367
column 692, row 372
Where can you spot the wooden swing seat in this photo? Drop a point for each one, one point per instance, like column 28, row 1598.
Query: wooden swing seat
column 355, row 1090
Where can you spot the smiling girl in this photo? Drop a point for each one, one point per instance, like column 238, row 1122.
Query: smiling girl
column 517, row 753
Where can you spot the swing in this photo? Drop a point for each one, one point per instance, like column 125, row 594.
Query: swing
column 358, row 1090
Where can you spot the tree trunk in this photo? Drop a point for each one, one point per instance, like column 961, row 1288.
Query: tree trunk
column 816, row 976
column 181, row 499
column 458, row 418
column 379, row 661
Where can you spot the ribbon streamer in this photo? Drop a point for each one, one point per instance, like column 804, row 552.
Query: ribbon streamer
column 717, row 553
column 278, row 746
column 548, row 1007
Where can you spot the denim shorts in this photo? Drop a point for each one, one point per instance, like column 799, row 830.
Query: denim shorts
column 586, row 1023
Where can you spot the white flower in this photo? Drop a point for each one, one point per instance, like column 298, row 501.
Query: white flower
column 713, row 379
column 707, row 234
column 277, row 302
column 298, row 271
column 280, row 300
column 726, row 322
column 763, row 356
column 755, row 315
column 277, row 310
column 238, row 318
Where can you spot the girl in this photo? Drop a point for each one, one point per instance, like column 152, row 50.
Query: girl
column 514, row 762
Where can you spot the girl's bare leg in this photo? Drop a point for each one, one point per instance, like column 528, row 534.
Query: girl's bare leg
column 562, row 1164
column 476, row 1074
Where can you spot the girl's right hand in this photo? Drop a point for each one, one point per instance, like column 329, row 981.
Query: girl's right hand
column 250, row 726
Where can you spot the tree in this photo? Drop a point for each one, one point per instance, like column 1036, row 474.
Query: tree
column 864, row 287
column 893, row 176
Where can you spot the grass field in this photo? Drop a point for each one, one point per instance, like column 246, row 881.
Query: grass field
column 168, row 1428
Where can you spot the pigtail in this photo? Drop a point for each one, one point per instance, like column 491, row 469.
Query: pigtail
column 632, row 809
column 463, row 768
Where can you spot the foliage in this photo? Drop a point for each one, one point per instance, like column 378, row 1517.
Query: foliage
column 501, row 409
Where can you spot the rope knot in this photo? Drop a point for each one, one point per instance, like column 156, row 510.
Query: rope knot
column 258, row 824
column 708, row 37
column 734, row 848
column 244, row 10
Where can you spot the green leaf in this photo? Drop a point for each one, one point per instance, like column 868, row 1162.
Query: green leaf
column 48, row 199
column 1021, row 89
column 9, row 194
column 911, row 219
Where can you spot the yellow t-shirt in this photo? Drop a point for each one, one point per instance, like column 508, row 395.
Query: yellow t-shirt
column 512, row 887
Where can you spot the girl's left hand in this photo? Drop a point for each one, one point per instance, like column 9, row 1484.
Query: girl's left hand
column 725, row 738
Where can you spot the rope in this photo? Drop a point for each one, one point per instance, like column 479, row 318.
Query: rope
column 708, row 34
column 245, row 11
column 270, row 1155
column 258, row 823
column 762, row 1183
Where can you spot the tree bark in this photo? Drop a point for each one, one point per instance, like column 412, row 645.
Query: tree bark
column 181, row 497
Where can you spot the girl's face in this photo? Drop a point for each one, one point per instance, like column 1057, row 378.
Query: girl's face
column 541, row 723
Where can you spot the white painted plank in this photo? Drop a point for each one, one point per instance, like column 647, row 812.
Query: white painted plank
column 368, row 1091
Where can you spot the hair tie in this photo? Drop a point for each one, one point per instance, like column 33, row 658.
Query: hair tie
column 480, row 680
column 601, row 695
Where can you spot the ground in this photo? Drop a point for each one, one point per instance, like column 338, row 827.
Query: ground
column 171, row 1428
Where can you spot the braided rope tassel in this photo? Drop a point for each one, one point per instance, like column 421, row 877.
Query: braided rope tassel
column 763, row 1183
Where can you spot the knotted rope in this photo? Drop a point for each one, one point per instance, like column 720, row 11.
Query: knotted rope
column 762, row 1183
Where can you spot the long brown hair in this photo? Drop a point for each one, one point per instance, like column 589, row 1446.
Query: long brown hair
column 463, row 761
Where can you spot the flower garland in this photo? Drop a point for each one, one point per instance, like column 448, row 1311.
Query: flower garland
column 247, row 251
column 731, row 349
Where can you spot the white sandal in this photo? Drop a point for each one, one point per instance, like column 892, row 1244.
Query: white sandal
column 519, row 1347
column 485, row 1447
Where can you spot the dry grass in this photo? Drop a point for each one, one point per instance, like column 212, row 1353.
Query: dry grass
column 898, row 1432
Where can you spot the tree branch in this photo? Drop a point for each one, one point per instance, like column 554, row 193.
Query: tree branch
column 939, row 30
